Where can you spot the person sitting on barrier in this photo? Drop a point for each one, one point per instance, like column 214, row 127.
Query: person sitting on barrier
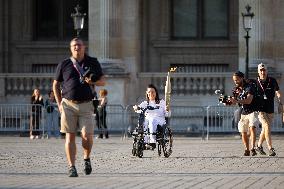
column 244, row 96
column 154, row 117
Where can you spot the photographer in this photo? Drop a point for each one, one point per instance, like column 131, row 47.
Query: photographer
column 244, row 96
column 75, row 75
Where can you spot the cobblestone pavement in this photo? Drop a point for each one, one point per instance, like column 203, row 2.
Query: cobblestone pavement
column 217, row 163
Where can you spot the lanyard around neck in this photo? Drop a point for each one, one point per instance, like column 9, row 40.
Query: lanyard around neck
column 263, row 89
column 78, row 68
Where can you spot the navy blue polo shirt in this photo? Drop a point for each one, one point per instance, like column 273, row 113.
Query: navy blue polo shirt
column 266, row 89
column 67, row 74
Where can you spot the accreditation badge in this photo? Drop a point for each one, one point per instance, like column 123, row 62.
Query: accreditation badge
column 264, row 97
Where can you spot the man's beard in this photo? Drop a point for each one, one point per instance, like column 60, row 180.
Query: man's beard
column 239, row 84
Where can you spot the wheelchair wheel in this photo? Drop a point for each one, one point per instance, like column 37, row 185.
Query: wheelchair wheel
column 167, row 142
column 134, row 148
column 159, row 149
column 139, row 149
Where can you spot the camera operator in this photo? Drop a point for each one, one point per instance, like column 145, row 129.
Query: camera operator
column 244, row 96
column 74, row 76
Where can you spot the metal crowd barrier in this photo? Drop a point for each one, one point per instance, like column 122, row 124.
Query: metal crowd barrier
column 18, row 117
column 115, row 118
column 188, row 119
column 185, row 120
column 220, row 119
column 131, row 119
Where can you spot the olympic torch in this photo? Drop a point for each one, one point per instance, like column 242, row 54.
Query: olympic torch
column 168, row 88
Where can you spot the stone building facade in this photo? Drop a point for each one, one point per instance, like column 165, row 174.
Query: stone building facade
column 137, row 41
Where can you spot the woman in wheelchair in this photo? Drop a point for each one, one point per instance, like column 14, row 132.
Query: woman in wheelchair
column 154, row 116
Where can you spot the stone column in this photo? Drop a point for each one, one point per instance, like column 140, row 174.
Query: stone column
column 165, row 22
column 27, row 20
column 261, row 34
column 4, row 36
column 105, row 33
column 264, row 34
column 106, row 42
column 1, row 38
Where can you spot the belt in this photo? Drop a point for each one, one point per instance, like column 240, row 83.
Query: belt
column 79, row 101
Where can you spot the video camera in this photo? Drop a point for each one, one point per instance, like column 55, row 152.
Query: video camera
column 88, row 74
column 224, row 99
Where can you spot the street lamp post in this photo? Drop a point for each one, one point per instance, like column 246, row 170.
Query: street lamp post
column 78, row 19
column 247, row 25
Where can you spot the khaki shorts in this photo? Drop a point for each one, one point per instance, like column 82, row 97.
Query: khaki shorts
column 247, row 121
column 76, row 117
column 265, row 119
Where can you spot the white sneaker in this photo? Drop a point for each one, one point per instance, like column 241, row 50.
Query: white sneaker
column 37, row 137
column 32, row 137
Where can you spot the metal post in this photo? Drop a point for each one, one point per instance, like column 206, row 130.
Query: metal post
column 207, row 114
column 247, row 56
column 78, row 32
column 247, row 24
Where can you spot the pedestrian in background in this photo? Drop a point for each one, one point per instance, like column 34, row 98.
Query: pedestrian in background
column 75, row 75
column 52, row 116
column 35, row 120
column 102, row 113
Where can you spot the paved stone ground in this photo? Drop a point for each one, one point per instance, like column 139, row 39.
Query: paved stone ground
column 217, row 163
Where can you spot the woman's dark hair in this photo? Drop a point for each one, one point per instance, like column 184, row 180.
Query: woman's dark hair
column 157, row 99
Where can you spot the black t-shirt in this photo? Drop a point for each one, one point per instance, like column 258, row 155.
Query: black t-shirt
column 265, row 94
column 72, row 88
column 240, row 94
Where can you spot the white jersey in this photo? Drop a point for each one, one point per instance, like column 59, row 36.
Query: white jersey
column 159, row 113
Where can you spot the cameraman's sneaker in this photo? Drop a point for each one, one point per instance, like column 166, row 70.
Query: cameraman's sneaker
column 253, row 152
column 260, row 150
column 72, row 172
column 88, row 167
column 272, row 152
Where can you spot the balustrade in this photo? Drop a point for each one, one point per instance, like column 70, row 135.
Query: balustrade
column 183, row 84
column 23, row 84
column 189, row 83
